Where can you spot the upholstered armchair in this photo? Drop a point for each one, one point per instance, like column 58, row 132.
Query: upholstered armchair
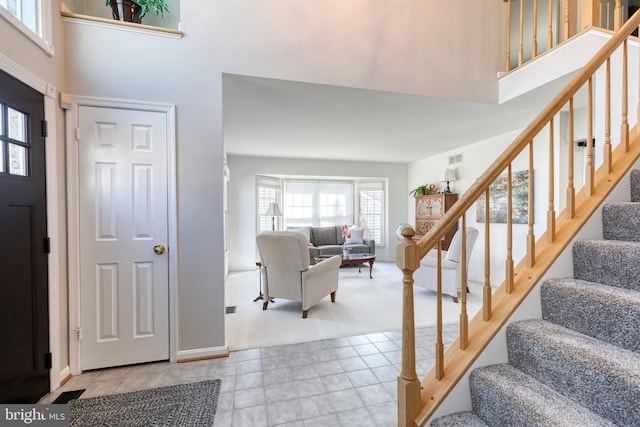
column 426, row 276
column 288, row 275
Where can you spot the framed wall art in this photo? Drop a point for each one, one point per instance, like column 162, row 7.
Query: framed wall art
column 498, row 199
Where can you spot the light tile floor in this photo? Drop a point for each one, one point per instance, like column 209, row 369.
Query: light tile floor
column 333, row 382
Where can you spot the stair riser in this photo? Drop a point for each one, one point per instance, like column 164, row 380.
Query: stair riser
column 608, row 315
column 621, row 222
column 635, row 185
column 595, row 386
column 610, row 263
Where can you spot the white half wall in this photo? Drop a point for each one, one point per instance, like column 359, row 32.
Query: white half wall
column 242, row 198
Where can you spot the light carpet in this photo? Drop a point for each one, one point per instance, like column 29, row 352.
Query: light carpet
column 192, row 404
column 363, row 306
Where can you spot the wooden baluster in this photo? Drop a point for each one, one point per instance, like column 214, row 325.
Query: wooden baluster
column 590, row 169
column 464, row 317
column 439, row 342
column 534, row 46
column 521, row 47
column 509, row 261
column 607, row 121
column 408, row 383
column 508, row 64
column 567, row 32
column 486, row 290
column 624, row 127
column 531, row 238
column 551, row 213
column 590, row 14
column 550, row 26
column 617, row 16
column 571, row 191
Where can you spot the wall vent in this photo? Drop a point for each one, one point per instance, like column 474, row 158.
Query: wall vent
column 457, row 158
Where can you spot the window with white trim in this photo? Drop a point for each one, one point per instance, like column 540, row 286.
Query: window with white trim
column 371, row 209
column 318, row 203
column 321, row 203
column 268, row 191
column 31, row 17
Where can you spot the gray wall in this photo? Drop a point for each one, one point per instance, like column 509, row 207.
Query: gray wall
column 424, row 47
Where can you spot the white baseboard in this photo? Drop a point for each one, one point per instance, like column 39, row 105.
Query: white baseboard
column 64, row 373
column 202, row 353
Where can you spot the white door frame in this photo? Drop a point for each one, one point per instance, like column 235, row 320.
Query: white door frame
column 73, row 223
column 57, row 372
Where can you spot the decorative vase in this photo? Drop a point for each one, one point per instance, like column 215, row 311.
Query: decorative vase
column 126, row 10
column 346, row 252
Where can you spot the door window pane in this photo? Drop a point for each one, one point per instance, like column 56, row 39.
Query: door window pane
column 17, row 125
column 1, row 156
column 17, row 160
column 13, row 6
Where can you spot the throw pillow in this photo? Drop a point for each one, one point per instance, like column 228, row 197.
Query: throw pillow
column 306, row 231
column 357, row 236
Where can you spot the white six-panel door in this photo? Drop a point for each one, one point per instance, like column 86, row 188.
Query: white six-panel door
column 124, row 291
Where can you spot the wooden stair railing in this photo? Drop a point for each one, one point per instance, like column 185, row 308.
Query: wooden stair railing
column 556, row 18
column 418, row 400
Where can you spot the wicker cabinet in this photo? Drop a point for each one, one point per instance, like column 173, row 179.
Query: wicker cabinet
column 429, row 210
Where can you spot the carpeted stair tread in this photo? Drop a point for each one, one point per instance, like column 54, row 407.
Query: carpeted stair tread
column 608, row 313
column 635, row 185
column 504, row 396
column 459, row 419
column 611, row 262
column 621, row 221
column 602, row 377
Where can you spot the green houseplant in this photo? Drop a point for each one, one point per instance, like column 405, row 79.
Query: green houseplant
column 134, row 10
column 421, row 190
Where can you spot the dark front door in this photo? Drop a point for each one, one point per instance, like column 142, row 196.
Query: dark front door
column 24, row 314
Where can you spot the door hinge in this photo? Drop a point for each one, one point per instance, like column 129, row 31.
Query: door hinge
column 45, row 128
column 47, row 245
column 77, row 134
column 78, row 332
column 48, row 360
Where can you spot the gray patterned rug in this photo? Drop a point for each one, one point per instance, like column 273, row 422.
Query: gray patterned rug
column 192, row 404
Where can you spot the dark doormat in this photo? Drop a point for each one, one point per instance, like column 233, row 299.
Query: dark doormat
column 66, row 396
column 192, row 405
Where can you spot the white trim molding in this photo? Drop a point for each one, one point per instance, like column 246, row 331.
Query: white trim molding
column 53, row 195
column 203, row 353
column 73, row 220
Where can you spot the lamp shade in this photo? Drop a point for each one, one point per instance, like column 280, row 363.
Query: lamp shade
column 448, row 175
column 274, row 210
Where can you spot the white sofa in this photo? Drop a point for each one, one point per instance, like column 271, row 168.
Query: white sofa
column 288, row 274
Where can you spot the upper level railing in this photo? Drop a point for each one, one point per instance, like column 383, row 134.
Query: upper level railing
column 536, row 26
column 583, row 107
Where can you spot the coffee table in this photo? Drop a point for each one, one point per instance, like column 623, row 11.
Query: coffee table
column 357, row 259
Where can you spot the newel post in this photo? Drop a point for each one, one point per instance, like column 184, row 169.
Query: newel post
column 408, row 383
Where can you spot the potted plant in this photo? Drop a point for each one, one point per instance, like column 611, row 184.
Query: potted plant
column 421, row 190
column 134, row 10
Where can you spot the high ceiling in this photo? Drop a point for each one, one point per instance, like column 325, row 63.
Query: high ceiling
column 277, row 118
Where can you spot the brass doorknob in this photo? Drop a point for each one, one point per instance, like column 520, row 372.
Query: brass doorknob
column 159, row 249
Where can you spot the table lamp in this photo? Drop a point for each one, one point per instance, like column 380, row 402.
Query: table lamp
column 448, row 176
column 273, row 212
